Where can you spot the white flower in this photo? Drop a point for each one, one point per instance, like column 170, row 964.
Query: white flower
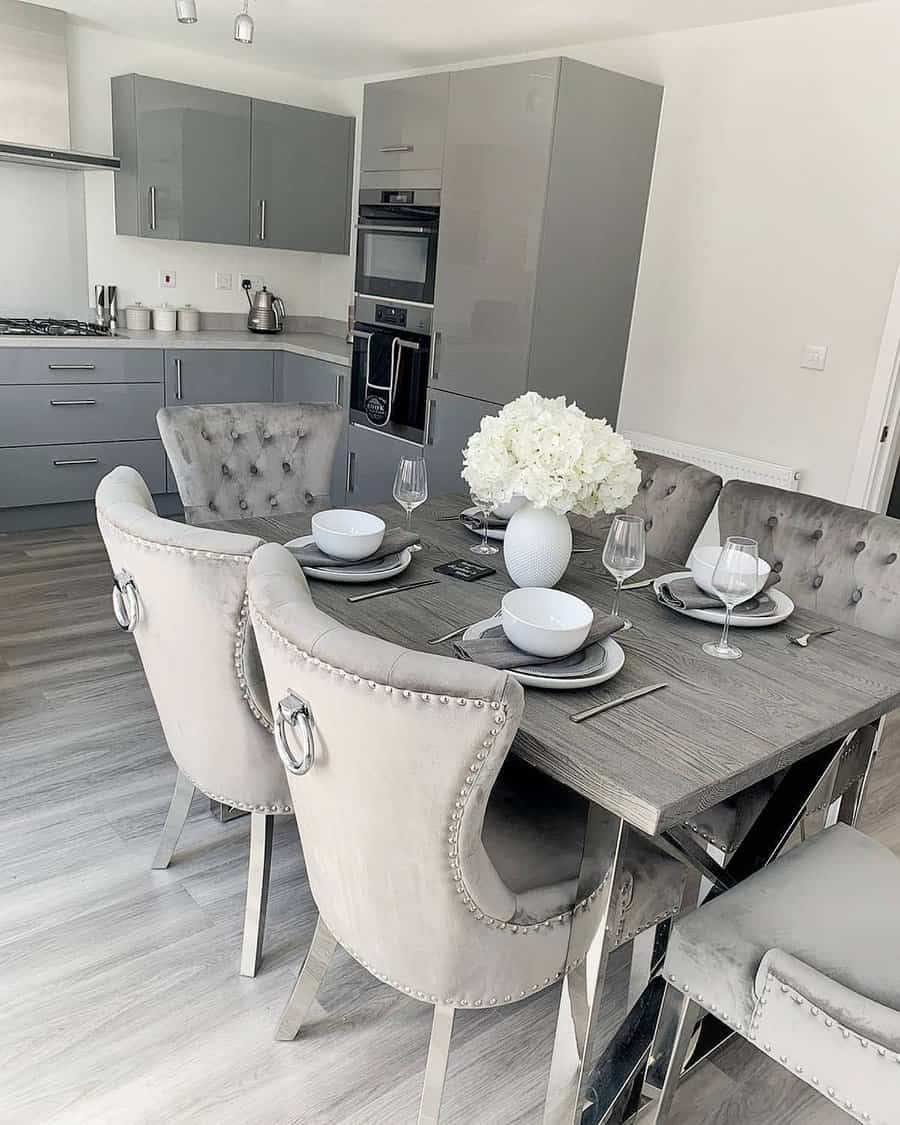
column 552, row 454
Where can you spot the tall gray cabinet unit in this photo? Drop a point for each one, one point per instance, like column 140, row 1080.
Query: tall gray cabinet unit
column 546, row 176
column 205, row 166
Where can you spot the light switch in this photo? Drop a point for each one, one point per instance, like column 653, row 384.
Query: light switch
column 814, row 357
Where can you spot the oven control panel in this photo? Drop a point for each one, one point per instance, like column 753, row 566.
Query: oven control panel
column 400, row 315
column 394, row 315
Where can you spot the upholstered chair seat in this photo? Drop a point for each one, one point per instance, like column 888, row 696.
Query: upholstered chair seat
column 802, row 960
column 450, row 890
column 675, row 499
column 181, row 591
column 251, row 458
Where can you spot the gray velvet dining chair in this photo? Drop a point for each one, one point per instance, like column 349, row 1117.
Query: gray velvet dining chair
column 675, row 499
column 836, row 560
column 181, row 592
column 801, row 959
column 251, row 458
column 443, row 887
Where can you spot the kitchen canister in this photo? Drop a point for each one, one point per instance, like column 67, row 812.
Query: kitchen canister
column 137, row 317
column 165, row 319
column 188, row 319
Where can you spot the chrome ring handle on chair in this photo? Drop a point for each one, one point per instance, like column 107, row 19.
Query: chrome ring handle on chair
column 295, row 712
column 126, row 607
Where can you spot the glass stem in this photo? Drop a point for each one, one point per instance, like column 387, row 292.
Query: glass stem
column 723, row 643
column 618, row 594
column 484, row 530
column 409, row 512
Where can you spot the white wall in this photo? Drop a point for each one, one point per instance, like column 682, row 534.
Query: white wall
column 134, row 263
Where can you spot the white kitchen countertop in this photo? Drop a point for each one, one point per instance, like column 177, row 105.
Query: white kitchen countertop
column 316, row 345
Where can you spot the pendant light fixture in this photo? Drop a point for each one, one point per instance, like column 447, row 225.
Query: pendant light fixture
column 243, row 26
column 186, row 11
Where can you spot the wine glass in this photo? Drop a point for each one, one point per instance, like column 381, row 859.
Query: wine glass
column 485, row 506
column 411, row 485
column 624, row 554
column 735, row 579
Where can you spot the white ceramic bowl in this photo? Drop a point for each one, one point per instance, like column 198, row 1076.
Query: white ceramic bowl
column 545, row 622
column 702, row 564
column 346, row 534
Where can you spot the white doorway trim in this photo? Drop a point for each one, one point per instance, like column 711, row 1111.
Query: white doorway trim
column 873, row 472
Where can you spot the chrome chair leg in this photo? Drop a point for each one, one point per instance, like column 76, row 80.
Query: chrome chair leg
column 261, row 829
column 436, row 1067
column 671, row 1044
column 179, row 807
column 312, row 973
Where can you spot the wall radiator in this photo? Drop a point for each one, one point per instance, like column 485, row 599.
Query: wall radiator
column 727, row 465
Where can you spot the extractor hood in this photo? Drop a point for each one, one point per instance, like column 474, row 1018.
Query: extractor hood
column 34, row 90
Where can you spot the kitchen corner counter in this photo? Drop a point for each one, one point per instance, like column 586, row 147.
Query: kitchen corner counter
column 316, row 345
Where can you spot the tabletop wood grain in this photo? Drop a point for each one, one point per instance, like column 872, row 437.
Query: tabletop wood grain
column 717, row 728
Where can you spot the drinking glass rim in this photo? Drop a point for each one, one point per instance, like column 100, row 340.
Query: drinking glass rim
column 628, row 519
column 740, row 541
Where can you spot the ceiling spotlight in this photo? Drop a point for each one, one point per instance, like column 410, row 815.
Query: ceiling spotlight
column 186, row 11
column 243, row 26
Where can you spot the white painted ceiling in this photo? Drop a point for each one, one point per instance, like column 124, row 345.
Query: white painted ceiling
column 341, row 38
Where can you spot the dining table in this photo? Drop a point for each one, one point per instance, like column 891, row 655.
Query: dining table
column 781, row 712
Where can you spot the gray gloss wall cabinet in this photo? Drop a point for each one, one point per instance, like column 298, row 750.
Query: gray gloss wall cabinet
column 185, row 155
column 546, row 177
column 452, row 419
column 205, row 166
column 404, row 123
column 301, row 171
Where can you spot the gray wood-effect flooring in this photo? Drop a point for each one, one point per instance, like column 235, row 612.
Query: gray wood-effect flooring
column 120, row 999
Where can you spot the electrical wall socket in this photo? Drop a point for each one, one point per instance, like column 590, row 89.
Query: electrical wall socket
column 223, row 280
column 255, row 279
column 167, row 279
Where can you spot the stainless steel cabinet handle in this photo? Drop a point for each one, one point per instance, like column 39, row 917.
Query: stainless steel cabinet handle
column 294, row 711
column 262, row 220
column 392, row 228
column 429, row 422
column 73, row 402
column 151, row 206
column 179, row 388
column 436, row 355
column 350, row 482
column 78, row 461
column 398, row 148
column 339, row 390
column 71, row 366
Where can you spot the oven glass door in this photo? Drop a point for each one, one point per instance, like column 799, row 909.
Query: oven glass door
column 396, row 256
column 389, row 381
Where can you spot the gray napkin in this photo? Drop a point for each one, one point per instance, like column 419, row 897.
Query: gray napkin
column 394, row 541
column 684, row 593
column 494, row 650
column 476, row 522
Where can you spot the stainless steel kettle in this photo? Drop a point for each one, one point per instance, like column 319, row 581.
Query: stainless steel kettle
column 266, row 311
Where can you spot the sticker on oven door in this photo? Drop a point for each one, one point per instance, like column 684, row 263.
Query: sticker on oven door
column 376, row 410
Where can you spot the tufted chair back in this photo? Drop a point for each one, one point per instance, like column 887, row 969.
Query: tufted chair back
column 251, row 458
column 839, row 561
column 187, row 590
column 675, row 500
column 407, row 748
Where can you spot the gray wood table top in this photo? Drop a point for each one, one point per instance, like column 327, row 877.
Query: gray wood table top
column 718, row 727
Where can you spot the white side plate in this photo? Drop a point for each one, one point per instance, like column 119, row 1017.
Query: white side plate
column 784, row 607
column 615, row 661
column 358, row 572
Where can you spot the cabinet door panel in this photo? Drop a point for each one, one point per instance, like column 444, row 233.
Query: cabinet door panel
column 193, row 152
column 404, row 122
column 452, row 419
column 300, row 179
column 300, row 378
column 496, row 162
column 217, row 376
column 372, row 464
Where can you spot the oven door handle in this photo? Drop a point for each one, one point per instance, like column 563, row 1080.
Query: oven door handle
column 391, row 228
column 410, row 345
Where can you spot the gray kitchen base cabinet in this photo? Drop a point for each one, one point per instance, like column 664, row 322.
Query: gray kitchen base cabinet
column 41, row 415
column 49, row 474
column 452, row 419
column 300, row 378
column 372, row 460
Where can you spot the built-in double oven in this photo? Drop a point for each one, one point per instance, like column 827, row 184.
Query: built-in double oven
column 396, row 255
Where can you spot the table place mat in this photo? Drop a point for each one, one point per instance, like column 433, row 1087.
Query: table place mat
column 395, row 541
column 684, row 593
column 496, row 651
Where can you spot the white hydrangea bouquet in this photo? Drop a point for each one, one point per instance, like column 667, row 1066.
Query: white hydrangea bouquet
column 554, row 456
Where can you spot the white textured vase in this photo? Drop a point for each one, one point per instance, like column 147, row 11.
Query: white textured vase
column 537, row 546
